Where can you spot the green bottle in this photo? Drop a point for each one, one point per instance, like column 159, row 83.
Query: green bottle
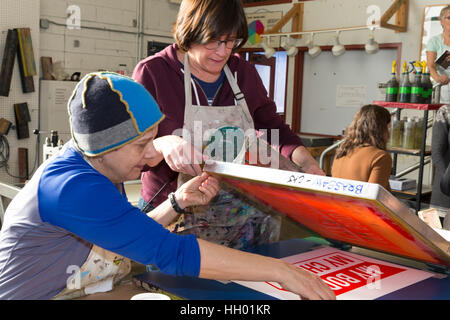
column 404, row 90
column 427, row 86
column 416, row 87
column 392, row 86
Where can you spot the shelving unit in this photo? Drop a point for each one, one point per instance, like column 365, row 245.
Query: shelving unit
column 421, row 153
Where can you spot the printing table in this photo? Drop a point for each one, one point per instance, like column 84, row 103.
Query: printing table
column 434, row 288
column 389, row 243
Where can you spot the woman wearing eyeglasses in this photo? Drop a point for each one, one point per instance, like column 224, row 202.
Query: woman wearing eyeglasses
column 204, row 87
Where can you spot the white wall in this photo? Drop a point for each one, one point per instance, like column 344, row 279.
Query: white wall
column 103, row 49
column 19, row 14
column 97, row 49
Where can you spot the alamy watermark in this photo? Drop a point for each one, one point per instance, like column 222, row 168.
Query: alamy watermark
column 229, row 144
column 73, row 282
column 73, row 20
column 373, row 282
column 374, row 18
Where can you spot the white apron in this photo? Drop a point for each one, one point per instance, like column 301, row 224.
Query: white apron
column 99, row 273
column 226, row 220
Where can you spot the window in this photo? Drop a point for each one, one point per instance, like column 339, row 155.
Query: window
column 273, row 73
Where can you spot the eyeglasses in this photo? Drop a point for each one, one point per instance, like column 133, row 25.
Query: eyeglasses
column 230, row 44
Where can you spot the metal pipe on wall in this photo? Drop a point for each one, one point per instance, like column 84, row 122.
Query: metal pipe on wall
column 140, row 30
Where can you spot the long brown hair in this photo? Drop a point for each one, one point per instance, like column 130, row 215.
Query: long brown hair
column 199, row 21
column 368, row 128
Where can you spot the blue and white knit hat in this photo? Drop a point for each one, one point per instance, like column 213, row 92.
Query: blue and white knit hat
column 108, row 110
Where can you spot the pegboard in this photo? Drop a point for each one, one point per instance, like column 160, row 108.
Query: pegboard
column 20, row 14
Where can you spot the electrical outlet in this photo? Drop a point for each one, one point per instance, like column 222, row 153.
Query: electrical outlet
column 44, row 23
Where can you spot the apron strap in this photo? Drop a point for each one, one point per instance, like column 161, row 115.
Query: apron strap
column 188, row 81
column 238, row 95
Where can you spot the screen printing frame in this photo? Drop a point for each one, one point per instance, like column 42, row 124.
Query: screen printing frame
column 388, row 208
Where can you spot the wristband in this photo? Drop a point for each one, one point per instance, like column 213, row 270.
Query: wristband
column 174, row 204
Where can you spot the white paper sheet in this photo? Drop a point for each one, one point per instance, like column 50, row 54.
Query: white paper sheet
column 350, row 276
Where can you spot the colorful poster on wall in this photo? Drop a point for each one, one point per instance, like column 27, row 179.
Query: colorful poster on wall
column 255, row 30
column 260, row 22
column 350, row 276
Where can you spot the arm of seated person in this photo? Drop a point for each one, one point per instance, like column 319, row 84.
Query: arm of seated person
column 381, row 171
column 440, row 78
column 197, row 191
column 305, row 161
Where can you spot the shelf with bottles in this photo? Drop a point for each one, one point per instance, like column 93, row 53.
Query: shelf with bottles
column 419, row 90
column 406, row 134
column 401, row 142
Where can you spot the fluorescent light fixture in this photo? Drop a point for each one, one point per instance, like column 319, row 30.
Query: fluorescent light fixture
column 338, row 49
column 313, row 50
column 291, row 49
column 371, row 45
column 268, row 51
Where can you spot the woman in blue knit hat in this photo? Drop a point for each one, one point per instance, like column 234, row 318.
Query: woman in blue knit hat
column 71, row 230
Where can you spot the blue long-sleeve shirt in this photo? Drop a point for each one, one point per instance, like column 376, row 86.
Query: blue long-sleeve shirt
column 65, row 208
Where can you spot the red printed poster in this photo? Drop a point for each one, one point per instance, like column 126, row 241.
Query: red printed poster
column 350, row 276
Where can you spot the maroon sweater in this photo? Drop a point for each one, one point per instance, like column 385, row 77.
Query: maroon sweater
column 162, row 76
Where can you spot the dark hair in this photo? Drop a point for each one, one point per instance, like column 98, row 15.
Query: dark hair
column 199, row 21
column 368, row 128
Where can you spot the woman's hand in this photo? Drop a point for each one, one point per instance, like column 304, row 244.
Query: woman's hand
column 197, row 191
column 306, row 284
column 439, row 78
column 306, row 162
column 179, row 154
column 443, row 79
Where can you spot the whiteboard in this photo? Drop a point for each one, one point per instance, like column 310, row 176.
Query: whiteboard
column 334, row 88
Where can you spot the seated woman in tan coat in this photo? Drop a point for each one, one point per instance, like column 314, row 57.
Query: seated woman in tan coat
column 363, row 156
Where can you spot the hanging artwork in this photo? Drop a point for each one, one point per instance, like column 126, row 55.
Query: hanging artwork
column 257, row 23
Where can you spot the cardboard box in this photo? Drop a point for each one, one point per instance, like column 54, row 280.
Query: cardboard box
column 402, row 184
